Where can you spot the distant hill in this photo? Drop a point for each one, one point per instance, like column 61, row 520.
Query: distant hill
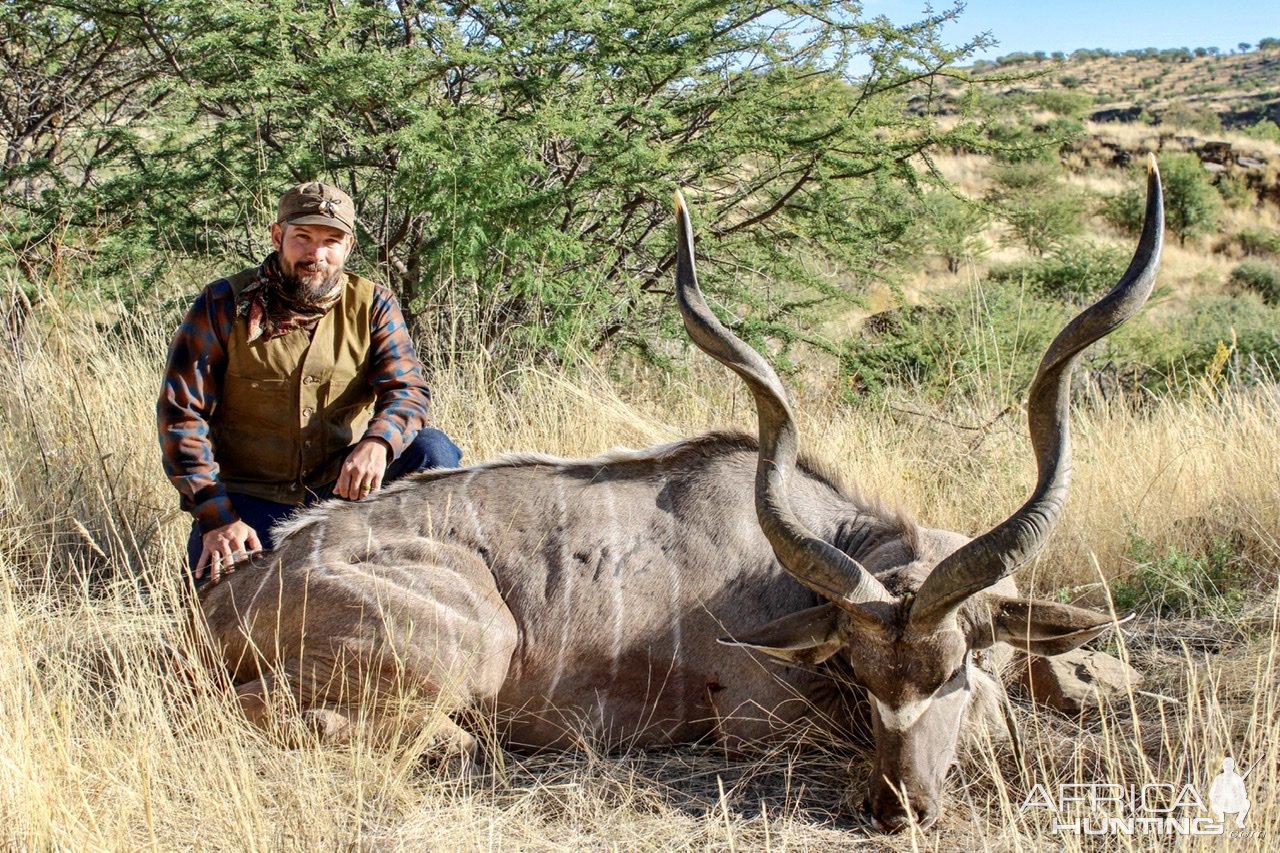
column 1162, row 87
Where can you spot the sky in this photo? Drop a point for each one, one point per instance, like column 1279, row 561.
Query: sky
column 1117, row 25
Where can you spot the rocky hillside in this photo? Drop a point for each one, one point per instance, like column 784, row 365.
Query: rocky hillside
column 1232, row 91
column 1223, row 107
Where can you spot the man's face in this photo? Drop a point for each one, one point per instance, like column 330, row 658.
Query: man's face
column 312, row 257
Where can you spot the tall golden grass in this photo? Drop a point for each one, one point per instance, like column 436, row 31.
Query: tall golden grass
column 104, row 747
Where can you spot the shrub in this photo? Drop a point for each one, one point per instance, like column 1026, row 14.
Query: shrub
column 953, row 228
column 1202, row 119
column 1264, row 129
column 1063, row 102
column 1076, row 273
column 1192, row 205
column 1259, row 240
column 1124, row 210
column 1174, row 581
column 1026, row 175
column 1259, row 277
column 1040, row 211
column 978, row 338
column 1178, row 354
column 973, row 339
column 1044, row 218
column 1235, row 191
column 1016, row 142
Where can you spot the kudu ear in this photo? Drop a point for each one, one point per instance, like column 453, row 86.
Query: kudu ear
column 806, row 636
column 1040, row 627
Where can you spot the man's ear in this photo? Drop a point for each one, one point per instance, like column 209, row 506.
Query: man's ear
column 1040, row 627
column 807, row 636
column 277, row 234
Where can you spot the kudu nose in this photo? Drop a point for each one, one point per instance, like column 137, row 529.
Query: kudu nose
column 890, row 816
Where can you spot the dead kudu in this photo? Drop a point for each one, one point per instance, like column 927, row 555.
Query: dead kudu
column 640, row 598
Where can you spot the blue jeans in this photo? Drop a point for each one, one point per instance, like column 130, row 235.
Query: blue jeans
column 431, row 448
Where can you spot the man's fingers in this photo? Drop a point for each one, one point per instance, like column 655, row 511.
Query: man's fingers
column 254, row 542
column 203, row 562
column 348, row 486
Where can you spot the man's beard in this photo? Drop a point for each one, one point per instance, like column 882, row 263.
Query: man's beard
column 308, row 286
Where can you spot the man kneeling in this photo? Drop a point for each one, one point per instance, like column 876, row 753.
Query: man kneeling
column 290, row 383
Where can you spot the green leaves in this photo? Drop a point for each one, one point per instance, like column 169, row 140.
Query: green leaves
column 513, row 160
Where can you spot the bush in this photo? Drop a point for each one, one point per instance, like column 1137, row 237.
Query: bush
column 1017, row 58
column 1259, row 240
column 1076, row 273
column 1192, row 205
column 1202, row 119
column 1178, row 354
column 1264, row 129
column 1235, row 191
column 1048, row 219
column 1041, row 212
column 1026, row 175
column 1063, row 102
column 973, row 339
column 1043, row 218
column 1124, row 210
column 978, row 338
column 1259, row 277
column 953, row 228
column 1173, row 581
column 512, row 165
column 1015, row 142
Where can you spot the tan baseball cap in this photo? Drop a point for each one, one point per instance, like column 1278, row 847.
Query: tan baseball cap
column 314, row 203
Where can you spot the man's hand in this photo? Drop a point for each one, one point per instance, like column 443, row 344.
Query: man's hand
column 362, row 472
column 223, row 546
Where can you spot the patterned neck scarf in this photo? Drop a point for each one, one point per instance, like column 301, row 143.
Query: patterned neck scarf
column 270, row 312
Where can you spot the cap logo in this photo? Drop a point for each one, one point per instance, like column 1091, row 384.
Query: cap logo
column 330, row 207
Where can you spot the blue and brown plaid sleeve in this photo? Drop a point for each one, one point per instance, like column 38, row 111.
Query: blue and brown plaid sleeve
column 403, row 398
column 188, row 396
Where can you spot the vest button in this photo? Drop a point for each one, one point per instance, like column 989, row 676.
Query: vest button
column 310, row 380
column 308, row 412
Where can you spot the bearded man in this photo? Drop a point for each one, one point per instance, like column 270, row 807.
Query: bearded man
column 290, row 383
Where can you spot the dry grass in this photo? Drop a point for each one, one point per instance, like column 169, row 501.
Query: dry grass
column 103, row 748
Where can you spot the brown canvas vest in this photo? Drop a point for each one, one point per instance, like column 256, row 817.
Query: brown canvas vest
column 291, row 407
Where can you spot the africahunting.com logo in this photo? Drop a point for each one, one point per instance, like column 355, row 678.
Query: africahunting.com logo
column 1157, row 808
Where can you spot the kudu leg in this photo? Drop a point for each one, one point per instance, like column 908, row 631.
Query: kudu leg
column 320, row 694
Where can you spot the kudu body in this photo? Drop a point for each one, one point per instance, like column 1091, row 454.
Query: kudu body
column 582, row 600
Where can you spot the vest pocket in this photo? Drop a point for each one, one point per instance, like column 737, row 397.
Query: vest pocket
column 258, row 404
column 255, row 430
column 349, row 406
